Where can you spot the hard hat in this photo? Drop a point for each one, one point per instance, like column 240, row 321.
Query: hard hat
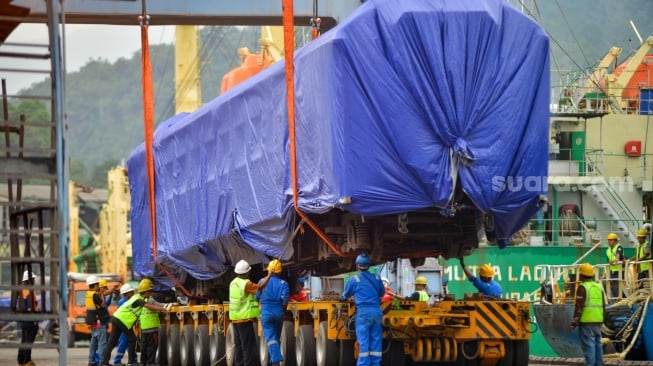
column 642, row 233
column 92, row 280
column 363, row 261
column 274, row 266
column 487, row 271
column 242, row 267
column 26, row 276
column 103, row 283
column 145, row 285
column 126, row 288
column 613, row 236
column 421, row 280
column 586, row 270
column 383, row 279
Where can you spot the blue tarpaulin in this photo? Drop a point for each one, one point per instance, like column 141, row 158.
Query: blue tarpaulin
column 393, row 107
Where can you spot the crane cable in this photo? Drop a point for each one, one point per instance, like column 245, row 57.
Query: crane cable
column 148, row 126
column 289, row 48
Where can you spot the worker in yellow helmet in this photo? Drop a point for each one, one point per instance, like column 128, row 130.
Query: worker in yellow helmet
column 642, row 253
column 273, row 299
column 589, row 310
column 486, row 284
column 615, row 255
column 420, row 293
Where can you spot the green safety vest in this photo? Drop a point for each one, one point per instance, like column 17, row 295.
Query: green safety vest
column 149, row 319
column 612, row 255
column 593, row 309
column 127, row 314
column 241, row 306
column 423, row 296
column 640, row 252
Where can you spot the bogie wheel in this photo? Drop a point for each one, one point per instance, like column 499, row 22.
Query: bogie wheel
column 217, row 349
column 201, row 346
column 230, row 347
column 305, row 346
column 173, row 345
column 507, row 360
column 346, row 353
column 186, row 350
column 326, row 350
column 394, row 354
column 162, row 347
column 288, row 344
column 521, row 350
column 263, row 351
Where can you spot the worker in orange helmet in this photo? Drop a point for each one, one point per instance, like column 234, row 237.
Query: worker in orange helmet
column 485, row 285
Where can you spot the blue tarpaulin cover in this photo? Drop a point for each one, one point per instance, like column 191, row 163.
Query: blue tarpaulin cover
column 393, row 106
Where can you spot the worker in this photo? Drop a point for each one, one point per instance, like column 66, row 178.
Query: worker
column 367, row 290
column 243, row 311
column 125, row 317
column 106, row 294
column 27, row 303
column 485, row 285
column 389, row 294
column 642, row 253
column 302, row 293
column 126, row 292
column 615, row 255
column 588, row 315
column 273, row 299
column 97, row 318
column 150, row 323
column 420, row 293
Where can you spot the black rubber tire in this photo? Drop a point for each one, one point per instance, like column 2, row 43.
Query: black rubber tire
column 393, row 354
column 230, row 346
column 217, row 348
column 326, row 350
column 305, row 346
column 508, row 359
column 162, row 347
column 201, row 346
column 346, row 353
column 264, row 356
column 186, row 345
column 288, row 344
column 469, row 348
column 174, row 335
column 521, row 350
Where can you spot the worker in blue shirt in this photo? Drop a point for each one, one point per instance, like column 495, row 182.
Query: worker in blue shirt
column 367, row 290
column 485, row 285
column 273, row 299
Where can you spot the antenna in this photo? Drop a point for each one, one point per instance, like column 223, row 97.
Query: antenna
column 636, row 32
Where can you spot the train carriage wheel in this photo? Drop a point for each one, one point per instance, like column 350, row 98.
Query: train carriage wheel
column 217, row 349
column 305, row 346
column 201, row 346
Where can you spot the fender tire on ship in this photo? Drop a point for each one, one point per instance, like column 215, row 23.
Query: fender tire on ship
column 201, row 346
column 217, row 347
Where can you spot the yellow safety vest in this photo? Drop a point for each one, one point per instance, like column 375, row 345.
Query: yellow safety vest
column 149, row 319
column 593, row 309
column 127, row 314
column 612, row 255
column 241, row 306
column 423, row 296
column 640, row 252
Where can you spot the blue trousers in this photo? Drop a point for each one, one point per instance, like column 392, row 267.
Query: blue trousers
column 98, row 342
column 272, row 324
column 122, row 347
column 369, row 333
column 590, row 343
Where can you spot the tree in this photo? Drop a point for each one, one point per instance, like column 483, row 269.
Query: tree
column 99, row 177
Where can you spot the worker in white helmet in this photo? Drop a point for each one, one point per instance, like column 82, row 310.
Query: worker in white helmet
column 243, row 311
column 126, row 292
column 27, row 303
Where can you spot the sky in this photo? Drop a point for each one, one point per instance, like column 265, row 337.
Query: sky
column 82, row 43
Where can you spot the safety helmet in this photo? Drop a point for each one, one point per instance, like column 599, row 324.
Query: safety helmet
column 26, row 276
column 274, row 266
column 385, row 280
column 242, row 267
column 421, row 280
column 126, row 288
column 103, row 283
column 642, row 233
column 487, row 271
column 363, row 261
column 613, row 236
column 586, row 270
column 145, row 285
column 92, row 280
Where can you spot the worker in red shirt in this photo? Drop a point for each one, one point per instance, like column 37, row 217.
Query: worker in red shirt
column 302, row 294
column 389, row 293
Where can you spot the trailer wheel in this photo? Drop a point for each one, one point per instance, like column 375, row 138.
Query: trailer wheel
column 394, row 354
column 201, row 345
column 326, row 350
column 521, row 350
column 230, row 346
column 508, row 359
column 305, row 346
column 217, row 349
column 162, row 347
column 346, row 353
column 288, row 343
column 263, row 351
column 173, row 345
column 186, row 347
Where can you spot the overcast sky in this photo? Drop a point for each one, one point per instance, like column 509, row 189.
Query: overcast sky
column 82, row 43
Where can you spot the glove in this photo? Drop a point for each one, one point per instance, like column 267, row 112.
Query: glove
column 168, row 306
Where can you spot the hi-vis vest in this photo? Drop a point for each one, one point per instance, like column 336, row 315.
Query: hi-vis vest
column 94, row 313
column 149, row 319
column 423, row 296
column 612, row 255
column 241, row 306
column 593, row 309
column 640, row 253
column 128, row 314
